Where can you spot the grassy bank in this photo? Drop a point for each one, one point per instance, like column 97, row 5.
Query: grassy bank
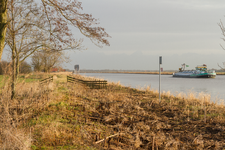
column 63, row 115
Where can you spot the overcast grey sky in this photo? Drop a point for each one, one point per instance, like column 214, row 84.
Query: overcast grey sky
column 142, row 30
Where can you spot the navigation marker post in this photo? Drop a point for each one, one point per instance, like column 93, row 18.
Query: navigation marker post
column 160, row 62
column 76, row 69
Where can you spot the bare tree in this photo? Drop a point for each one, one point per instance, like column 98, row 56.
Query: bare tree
column 222, row 68
column 37, row 61
column 24, row 34
column 59, row 15
column 4, row 67
column 223, row 33
column 25, row 67
column 32, row 27
column 46, row 60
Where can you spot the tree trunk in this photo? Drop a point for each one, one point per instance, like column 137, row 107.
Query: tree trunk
column 13, row 85
column 3, row 23
column 17, row 66
column 13, row 69
column 13, row 78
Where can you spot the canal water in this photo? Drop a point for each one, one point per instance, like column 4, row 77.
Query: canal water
column 215, row 87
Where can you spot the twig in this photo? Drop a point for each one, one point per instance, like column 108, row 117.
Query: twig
column 107, row 138
column 153, row 142
column 204, row 110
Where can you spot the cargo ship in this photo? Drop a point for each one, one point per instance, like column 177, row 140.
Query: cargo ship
column 199, row 72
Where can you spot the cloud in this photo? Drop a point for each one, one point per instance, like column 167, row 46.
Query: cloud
column 141, row 61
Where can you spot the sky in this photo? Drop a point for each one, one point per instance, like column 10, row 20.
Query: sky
column 180, row 31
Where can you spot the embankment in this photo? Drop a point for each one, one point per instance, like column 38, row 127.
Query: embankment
column 73, row 116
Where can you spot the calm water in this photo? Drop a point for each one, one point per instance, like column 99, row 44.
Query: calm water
column 213, row 86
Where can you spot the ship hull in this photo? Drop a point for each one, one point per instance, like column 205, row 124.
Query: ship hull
column 205, row 75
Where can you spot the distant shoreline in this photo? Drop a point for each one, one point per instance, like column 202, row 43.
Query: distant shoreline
column 124, row 72
column 163, row 73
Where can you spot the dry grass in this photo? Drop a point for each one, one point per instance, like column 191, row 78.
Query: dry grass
column 220, row 73
column 62, row 115
column 62, row 73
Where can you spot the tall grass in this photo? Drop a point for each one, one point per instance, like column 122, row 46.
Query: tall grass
column 12, row 113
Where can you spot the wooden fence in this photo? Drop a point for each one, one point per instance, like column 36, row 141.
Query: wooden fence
column 97, row 84
column 46, row 80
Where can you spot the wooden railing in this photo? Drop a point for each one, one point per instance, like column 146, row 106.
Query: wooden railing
column 97, row 84
column 46, row 80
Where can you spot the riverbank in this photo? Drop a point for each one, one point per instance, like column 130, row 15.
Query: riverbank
column 63, row 115
column 128, row 72
column 155, row 72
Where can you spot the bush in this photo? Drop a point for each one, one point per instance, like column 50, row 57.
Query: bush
column 4, row 67
column 25, row 67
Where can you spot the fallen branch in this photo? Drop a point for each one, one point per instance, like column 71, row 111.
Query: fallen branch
column 108, row 138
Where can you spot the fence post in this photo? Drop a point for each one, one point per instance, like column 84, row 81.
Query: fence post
column 98, row 84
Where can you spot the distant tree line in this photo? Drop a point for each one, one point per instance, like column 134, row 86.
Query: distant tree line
column 40, row 61
column 45, row 61
column 6, row 67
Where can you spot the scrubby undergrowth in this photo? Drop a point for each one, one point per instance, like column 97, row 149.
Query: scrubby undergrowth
column 62, row 115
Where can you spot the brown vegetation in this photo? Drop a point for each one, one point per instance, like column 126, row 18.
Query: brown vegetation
column 164, row 73
column 220, row 73
column 62, row 115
